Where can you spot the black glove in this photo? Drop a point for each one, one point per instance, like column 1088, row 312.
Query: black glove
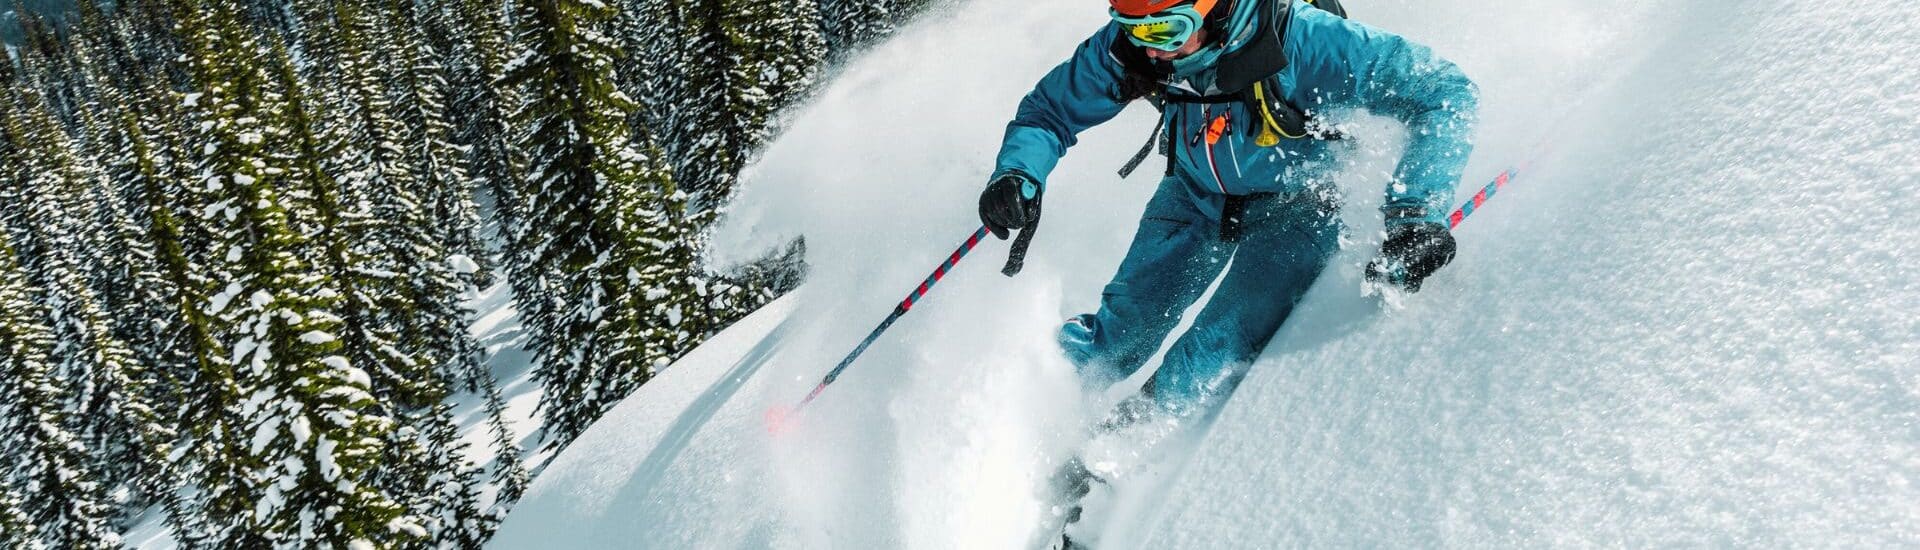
column 1412, row 252
column 1010, row 203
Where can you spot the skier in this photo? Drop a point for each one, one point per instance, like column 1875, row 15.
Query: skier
column 1245, row 88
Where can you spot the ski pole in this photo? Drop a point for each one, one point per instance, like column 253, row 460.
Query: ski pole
column 898, row 311
column 1480, row 198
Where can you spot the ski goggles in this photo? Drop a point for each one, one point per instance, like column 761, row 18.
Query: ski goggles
column 1165, row 30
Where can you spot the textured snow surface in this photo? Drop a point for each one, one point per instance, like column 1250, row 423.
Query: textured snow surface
column 1691, row 323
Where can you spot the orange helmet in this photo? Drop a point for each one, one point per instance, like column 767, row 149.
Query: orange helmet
column 1143, row 8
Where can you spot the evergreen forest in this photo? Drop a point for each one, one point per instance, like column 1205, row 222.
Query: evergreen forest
column 239, row 241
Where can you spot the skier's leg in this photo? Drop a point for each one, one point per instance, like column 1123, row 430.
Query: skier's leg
column 1288, row 242
column 1174, row 256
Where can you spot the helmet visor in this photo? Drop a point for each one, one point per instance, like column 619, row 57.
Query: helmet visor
column 1167, row 30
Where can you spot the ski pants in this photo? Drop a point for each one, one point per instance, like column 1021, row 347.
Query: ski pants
column 1284, row 241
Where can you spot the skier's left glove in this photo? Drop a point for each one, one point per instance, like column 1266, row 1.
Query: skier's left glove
column 1412, row 252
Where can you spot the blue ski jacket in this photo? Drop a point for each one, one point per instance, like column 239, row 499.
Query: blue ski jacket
column 1333, row 63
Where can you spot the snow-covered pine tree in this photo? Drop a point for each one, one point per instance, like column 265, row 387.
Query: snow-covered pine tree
column 45, row 478
column 371, row 236
column 126, row 270
column 851, row 25
column 16, row 529
column 423, row 465
column 446, row 247
column 426, row 474
column 438, row 159
column 291, row 460
column 742, row 62
column 109, row 63
column 108, row 408
column 316, row 43
column 654, row 76
column 704, row 138
column 153, row 38
column 578, row 278
column 510, row 476
column 190, row 356
column 781, row 55
column 48, row 64
column 482, row 109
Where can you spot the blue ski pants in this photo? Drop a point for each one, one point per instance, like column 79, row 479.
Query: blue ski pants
column 1285, row 241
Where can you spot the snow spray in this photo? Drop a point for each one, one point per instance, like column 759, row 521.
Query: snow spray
column 778, row 418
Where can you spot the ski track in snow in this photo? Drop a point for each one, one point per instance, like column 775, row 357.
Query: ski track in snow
column 1689, row 323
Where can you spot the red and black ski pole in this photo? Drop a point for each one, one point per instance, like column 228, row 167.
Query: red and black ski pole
column 900, row 310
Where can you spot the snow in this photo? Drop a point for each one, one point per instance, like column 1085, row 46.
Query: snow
column 323, row 452
column 218, row 302
column 462, row 264
column 1688, row 323
column 317, row 337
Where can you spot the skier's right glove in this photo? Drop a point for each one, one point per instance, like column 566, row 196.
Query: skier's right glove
column 1010, row 203
column 1412, row 252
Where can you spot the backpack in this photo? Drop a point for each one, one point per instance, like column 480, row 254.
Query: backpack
column 1248, row 75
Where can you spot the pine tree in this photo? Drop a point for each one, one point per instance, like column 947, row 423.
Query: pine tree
column 46, row 478
column 441, row 226
column 408, row 293
column 108, row 409
column 423, row 464
column 706, row 136
column 291, row 458
column 442, row 163
column 509, row 474
column 482, row 107
column 125, row 268
column 16, row 529
column 153, row 40
column 744, row 61
column 579, row 278
column 371, row 235
column 850, row 25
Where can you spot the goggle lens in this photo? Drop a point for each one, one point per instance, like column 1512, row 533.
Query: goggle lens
column 1161, row 31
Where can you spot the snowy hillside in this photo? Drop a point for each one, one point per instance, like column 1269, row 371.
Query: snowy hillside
column 1691, row 321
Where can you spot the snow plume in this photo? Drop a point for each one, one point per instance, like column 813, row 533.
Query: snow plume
column 1687, row 324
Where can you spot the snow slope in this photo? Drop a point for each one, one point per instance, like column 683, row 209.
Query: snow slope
column 1690, row 322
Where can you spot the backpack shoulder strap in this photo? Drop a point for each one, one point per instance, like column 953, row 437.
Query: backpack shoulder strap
column 1263, row 55
column 1330, row 6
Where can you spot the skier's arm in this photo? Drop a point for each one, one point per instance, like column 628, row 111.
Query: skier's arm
column 1392, row 76
column 1074, row 96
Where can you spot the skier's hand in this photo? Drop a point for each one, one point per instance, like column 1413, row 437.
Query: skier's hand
column 1412, row 252
column 1010, row 203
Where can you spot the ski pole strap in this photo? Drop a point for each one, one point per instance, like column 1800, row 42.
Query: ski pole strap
column 1145, row 149
column 1017, row 255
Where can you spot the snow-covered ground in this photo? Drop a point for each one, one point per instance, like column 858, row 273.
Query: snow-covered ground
column 1691, row 322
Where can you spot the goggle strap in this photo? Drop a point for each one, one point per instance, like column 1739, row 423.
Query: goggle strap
column 1204, row 6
